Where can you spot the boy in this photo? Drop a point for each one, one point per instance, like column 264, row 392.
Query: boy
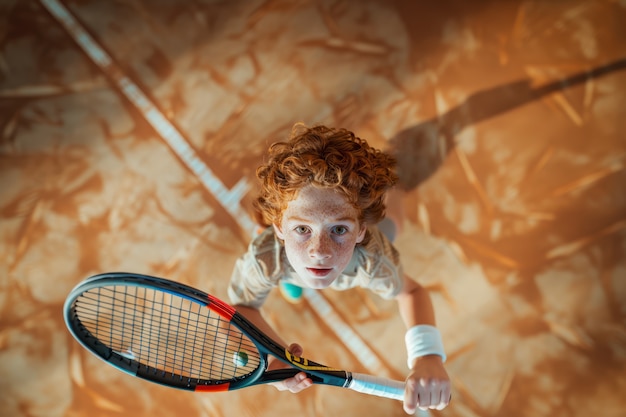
column 322, row 196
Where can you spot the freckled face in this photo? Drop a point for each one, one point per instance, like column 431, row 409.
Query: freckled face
column 320, row 230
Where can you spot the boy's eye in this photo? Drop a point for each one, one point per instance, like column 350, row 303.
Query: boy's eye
column 301, row 229
column 340, row 230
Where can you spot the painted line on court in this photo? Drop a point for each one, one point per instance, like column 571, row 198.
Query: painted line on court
column 346, row 334
column 229, row 199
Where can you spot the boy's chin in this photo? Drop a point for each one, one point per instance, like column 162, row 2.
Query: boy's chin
column 319, row 284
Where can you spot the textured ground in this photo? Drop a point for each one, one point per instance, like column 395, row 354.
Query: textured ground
column 508, row 117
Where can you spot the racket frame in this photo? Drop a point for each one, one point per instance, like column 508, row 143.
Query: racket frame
column 319, row 374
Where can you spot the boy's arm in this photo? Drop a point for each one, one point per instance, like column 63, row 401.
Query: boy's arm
column 428, row 384
column 415, row 305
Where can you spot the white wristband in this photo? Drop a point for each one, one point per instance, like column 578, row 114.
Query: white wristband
column 423, row 340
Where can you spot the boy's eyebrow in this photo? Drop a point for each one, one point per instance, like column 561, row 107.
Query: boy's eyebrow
column 341, row 219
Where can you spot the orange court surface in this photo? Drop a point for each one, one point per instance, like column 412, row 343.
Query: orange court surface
column 129, row 136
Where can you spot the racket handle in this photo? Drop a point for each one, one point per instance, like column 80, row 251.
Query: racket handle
column 373, row 385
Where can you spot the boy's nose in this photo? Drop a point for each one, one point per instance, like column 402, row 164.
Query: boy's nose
column 320, row 247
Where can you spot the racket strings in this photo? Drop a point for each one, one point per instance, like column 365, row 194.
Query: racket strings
column 167, row 332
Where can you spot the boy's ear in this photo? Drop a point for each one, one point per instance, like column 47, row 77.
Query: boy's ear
column 278, row 231
column 361, row 235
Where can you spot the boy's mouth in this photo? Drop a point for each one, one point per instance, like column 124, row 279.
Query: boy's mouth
column 319, row 272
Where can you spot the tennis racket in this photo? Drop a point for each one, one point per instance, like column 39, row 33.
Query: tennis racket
column 175, row 335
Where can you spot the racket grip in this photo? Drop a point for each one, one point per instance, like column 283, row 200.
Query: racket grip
column 373, row 385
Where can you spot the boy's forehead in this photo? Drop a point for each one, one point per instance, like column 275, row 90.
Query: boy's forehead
column 325, row 213
column 311, row 203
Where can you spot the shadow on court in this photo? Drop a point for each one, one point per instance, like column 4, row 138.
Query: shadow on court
column 422, row 148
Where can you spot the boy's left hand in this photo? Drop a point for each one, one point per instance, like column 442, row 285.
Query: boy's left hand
column 427, row 386
column 296, row 383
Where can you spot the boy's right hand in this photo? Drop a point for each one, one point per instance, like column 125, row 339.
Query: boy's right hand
column 297, row 383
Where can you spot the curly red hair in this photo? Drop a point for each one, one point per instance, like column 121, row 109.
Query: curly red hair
column 327, row 158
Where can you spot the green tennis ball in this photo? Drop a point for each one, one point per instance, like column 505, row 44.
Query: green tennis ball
column 240, row 358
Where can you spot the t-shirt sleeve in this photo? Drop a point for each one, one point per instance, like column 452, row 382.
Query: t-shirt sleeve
column 375, row 266
column 386, row 286
column 248, row 285
column 256, row 272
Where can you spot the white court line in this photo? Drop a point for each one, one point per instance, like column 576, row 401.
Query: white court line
column 229, row 199
column 346, row 334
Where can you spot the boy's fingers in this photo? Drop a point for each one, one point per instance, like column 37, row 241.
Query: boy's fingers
column 410, row 397
column 295, row 349
column 298, row 382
